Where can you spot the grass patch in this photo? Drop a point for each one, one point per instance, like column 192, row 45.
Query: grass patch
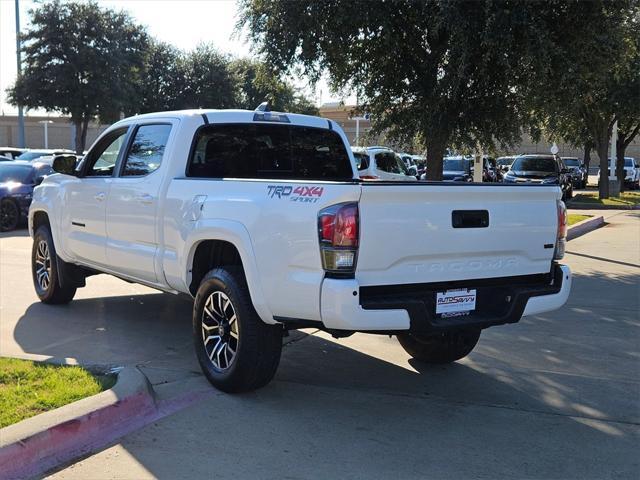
column 573, row 218
column 626, row 199
column 29, row 388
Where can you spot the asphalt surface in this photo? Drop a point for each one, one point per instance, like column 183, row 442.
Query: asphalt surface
column 554, row 396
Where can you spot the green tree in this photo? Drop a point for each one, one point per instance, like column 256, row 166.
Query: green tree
column 441, row 70
column 161, row 85
column 80, row 60
column 257, row 83
column 579, row 68
column 208, row 81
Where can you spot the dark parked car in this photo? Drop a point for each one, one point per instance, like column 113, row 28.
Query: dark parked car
column 577, row 171
column 456, row 169
column 31, row 155
column 544, row 169
column 504, row 163
column 17, row 180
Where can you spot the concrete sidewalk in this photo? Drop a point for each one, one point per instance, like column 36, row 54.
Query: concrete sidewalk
column 555, row 396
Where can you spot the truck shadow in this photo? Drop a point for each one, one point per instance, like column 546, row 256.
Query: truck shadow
column 555, row 396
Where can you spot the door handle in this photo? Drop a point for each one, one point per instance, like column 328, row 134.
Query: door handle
column 145, row 199
column 100, row 196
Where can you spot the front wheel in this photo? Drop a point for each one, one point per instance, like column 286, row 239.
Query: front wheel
column 236, row 350
column 9, row 215
column 50, row 288
column 440, row 348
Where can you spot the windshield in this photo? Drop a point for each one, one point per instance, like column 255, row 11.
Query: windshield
column 456, row 164
column 628, row 162
column 534, row 164
column 505, row 161
column 571, row 162
column 15, row 173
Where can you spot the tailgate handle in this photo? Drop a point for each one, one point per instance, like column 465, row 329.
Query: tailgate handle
column 470, row 218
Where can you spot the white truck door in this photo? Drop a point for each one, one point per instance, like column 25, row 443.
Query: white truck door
column 86, row 199
column 132, row 230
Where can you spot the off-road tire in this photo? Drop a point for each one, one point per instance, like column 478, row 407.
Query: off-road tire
column 258, row 344
column 59, row 290
column 440, row 348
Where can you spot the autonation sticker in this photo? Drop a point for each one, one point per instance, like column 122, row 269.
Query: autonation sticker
column 451, row 301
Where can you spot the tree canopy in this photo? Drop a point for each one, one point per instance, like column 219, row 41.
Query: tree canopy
column 584, row 75
column 440, row 70
column 81, row 60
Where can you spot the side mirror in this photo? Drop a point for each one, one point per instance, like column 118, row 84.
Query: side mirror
column 65, row 164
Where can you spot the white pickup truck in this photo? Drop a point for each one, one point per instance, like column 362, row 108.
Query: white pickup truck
column 262, row 218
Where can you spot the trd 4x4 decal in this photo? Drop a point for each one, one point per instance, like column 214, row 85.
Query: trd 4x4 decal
column 299, row 193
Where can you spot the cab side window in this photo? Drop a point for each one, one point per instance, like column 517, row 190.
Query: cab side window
column 102, row 159
column 146, row 151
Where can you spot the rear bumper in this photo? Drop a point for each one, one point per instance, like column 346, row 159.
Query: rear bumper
column 347, row 306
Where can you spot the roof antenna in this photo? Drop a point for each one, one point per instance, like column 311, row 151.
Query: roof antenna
column 263, row 107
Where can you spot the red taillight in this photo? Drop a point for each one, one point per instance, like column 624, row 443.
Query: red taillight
column 561, row 237
column 338, row 227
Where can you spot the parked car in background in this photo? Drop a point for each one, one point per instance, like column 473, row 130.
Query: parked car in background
column 380, row 163
column 504, row 163
column 631, row 173
column 577, row 171
column 31, row 155
column 543, row 169
column 593, row 177
column 11, row 152
column 17, row 181
column 491, row 172
column 456, row 169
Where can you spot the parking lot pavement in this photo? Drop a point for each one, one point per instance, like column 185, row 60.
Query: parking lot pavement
column 555, row 396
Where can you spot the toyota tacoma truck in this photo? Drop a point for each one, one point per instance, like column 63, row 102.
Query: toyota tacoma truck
column 261, row 218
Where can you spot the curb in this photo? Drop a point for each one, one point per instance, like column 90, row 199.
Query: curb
column 37, row 444
column 591, row 206
column 585, row 226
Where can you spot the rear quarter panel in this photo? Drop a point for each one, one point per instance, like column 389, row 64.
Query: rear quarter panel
column 276, row 225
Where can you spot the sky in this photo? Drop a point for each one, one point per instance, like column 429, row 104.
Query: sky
column 183, row 23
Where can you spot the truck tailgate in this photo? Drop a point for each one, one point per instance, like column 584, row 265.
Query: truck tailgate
column 407, row 232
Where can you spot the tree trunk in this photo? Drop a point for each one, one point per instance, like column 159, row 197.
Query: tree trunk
column 85, row 127
column 588, row 146
column 620, row 173
column 435, row 152
column 602, row 145
column 78, row 136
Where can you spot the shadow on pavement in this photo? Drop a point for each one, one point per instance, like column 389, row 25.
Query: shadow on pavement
column 555, row 396
column 334, row 412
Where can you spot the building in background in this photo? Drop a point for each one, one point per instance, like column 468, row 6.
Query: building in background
column 343, row 115
column 61, row 132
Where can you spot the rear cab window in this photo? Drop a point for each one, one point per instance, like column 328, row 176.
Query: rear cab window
column 256, row 150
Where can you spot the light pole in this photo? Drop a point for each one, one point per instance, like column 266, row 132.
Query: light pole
column 21, row 142
column 46, row 132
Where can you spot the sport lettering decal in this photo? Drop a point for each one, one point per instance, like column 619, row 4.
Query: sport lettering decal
column 301, row 194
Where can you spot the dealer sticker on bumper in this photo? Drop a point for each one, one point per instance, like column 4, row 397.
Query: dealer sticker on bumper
column 453, row 301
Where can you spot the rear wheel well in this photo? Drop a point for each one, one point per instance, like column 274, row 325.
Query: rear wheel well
column 39, row 219
column 212, row 254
